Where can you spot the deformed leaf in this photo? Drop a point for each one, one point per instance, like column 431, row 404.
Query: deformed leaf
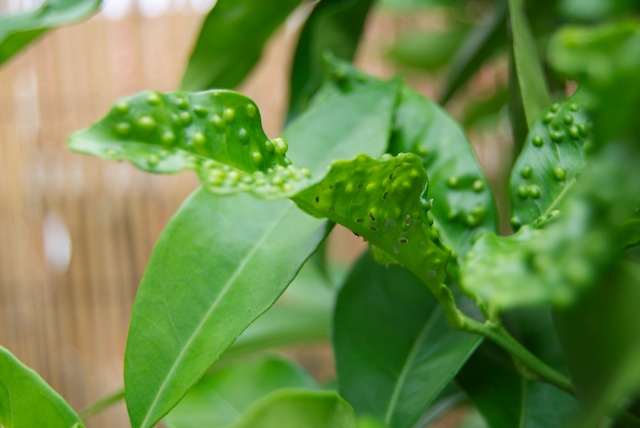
column 295, row 408
column 219, row 398
column 395, row 351
column 385, row 202
column 551, row 159
column 18, row 30
column 218, row 134
column 27, row 401
column 231, row 41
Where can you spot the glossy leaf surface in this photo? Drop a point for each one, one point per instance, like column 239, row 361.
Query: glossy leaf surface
column 463, row 204
column 18, row 30
column 334, row 26
column 27, row 401
column 394, row 350
column 220, row 398
column 231, row 40
column 531, row 80
column 295, row 408
column 384, row 201
column 203, row 288
column 217, row 134
column 551, row 159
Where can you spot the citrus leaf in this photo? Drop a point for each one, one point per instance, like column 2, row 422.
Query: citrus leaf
column 418, row 351
column 384, row 201
column 18, row 30
column 231, row 40
column 295, row 408
column 551, row 159
column 220, row 397
column 27, row 401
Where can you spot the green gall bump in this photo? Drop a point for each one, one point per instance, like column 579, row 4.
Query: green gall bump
column 371, row 187
column 153, row 99
column 574, row 132
column 526, row 171
column 478, row 211
column 229, row 114
column 582, row 128
column 257, row 158
column 199, row 138
column 567, row 119
column 478, row 185
column 557, row 136
column 280, row 146
column 559, row 173
column 538, row 141
column 217, row 122
column 453, row 181
column 555, row 107
column 523, row 192
column 153, row 160
column 200, row 110
column 123, row 128
column 574, row 107
column 168, row 137
column 534, row 191
column 268, row 146
column 515, row 222
column 186, row 118
column 553, row 214
column 243, row 135
column 452, row 215
column 182, row 103
column 430, row 218
column 472, row 220
column 422, row 150
column 251, row 111
column 122, row 107
column 548, row 117
column 146, row 123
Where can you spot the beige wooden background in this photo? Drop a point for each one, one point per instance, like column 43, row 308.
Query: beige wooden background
column 76, row 232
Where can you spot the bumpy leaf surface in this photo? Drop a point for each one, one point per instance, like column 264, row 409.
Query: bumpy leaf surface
column 231, row 41
column 551, row 159
column 17, row 31
column 27, row 401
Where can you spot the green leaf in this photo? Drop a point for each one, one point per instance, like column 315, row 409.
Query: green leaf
column 334, row 26
column 607, row 317
column 27, row 401
column 18, row 30
column 481, row 42
column 531, row 80
column 505, row 399
column 463, row 204
column 296, row 408
column 218, row 134
column 231, row 40
column 384, row 201
column 220, row 398
column 394, row 350
column 551, row 159
column 236, row 256
column 597, row 10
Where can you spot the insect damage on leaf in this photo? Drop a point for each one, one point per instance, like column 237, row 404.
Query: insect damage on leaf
column 217, row 134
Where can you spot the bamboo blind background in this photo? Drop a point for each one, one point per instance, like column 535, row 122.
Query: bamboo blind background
column 76, row 232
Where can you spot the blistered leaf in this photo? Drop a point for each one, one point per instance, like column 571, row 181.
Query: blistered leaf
column 552, row 158
column 18, row 30
column 296, row 408
column 231, row 41
column 219, row 398
column 27, row 401
column 384, row 201
column 384, row 317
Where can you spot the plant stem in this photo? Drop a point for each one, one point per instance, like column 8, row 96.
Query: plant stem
column 102, row 404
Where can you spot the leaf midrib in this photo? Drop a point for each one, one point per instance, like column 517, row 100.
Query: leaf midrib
column 408, row 363
column 243, row 263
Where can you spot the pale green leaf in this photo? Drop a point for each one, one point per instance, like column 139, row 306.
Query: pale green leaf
column 27, row 401
column 394, row 350
column 18, row 30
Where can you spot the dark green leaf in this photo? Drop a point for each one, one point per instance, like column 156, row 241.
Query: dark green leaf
column 552, row 157
column 395, row 351
column 429, row 51
column 385, row 202
column 334, row 26
column 531, row 79
column 18, row 30
column 231, row 41
column 505, row 399
column 297, row 408
column 463, row 204
column 481, row 42
column 27, row 401
column 220, row 398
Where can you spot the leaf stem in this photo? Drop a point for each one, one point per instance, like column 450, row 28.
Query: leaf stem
column 102, row 404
